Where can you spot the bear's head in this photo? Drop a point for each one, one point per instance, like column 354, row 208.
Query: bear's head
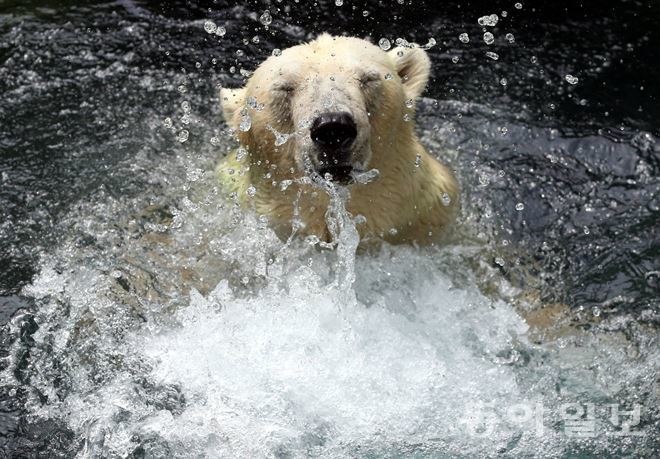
column 334, row 107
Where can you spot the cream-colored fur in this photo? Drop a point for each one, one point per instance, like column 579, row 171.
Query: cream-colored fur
column 413, row 199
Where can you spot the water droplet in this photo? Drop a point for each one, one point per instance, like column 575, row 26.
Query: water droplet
column 277, row 52
column 571, row 79
column 489, row 38
column 266, row 18
column 409, row 103
column 518, row 6
column 384, row 44
column 520, row 206
column 445, row 199
column 246, row 123
column 464, row 38
column 492, row 55
column 510, row 37
column 490, row 20
column 388, row 76
column 183, row 136
column 251, row 191
column 210, row 27
column 339, row 2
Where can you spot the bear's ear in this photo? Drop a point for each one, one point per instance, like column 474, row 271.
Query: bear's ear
column 413, row 66
column 232, row 100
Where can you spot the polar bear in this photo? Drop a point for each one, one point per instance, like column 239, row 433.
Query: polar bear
column 339, row 109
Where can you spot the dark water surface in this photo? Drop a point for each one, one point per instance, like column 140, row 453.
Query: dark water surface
column 571, row 172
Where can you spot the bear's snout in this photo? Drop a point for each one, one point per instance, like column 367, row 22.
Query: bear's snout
column 333, row 133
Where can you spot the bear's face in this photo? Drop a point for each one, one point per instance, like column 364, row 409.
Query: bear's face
column 337, row 101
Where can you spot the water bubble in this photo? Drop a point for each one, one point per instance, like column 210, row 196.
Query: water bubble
column 596, row 311
column 246, row 123
column 183, row 136
column 182, row 89
column 503, row 130
column 430, row 44
column 399, row 53
column 388, row 76
column 210, row 26
column 284, row 184
column 365, row 177
column 464, row 38
column 365, row 13
column 520, row 206
column 220, row 31
column 266, row 18
column 585, row 230
column 445, row 199
column 251, row 191
column 241, row 153
column 406, row 117
column 510, row 38
column 418, row 160
column 339, row 2
column 455, row 59
column 489, row 38
column 571, row 79
column 277, row 52
column 499, row 261
column 280, row 138
column 384, row 44
column 256, row 39
column 504, row 14
column 490, row 20
column 492, row 55
column 518, row 6
column 503, row 81
column 167, row 122
column 534, row 60
column 409, row 103
column 393, row 231
column 185, row 106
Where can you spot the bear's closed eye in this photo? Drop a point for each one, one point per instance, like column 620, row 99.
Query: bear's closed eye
column 369, row 78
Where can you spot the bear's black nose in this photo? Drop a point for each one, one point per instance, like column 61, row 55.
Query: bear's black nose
column 333, row 133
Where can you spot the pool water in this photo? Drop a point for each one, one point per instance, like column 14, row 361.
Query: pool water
column 145, row 315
